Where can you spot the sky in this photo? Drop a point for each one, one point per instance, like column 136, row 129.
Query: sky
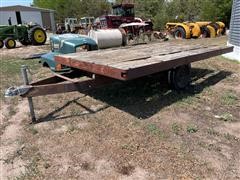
column 15, row 2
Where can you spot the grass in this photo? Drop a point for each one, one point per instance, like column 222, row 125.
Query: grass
column 12, row 111
column 10, row 72
column 153, row 129
column 211, row 131
column 210, row 147
column 33, row 130
column 176, row 128
column 226, row 117
column 230, row 137
column 12, row 66
column 71, row 128
column 229, row 98
column 31, row 170
column 192, row 128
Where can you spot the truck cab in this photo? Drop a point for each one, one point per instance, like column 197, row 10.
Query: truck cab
column 65, row 44
column 86, row 21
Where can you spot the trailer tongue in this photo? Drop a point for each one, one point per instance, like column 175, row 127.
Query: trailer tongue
column 107, row 66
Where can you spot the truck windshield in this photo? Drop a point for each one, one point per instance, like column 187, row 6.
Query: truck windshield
column 54, row 46
column 82, row 48
column 83, row 21
column 124, row 11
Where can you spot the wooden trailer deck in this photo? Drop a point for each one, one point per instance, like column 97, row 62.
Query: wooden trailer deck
column 133, row 62
column 111, row 65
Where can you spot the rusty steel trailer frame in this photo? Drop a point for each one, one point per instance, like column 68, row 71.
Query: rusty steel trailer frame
column 100, row 75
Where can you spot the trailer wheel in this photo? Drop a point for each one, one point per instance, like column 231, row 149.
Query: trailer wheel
column 37, row 36
column 179, row 33
column 179, row 78
column 1, row 44
column 10, row 43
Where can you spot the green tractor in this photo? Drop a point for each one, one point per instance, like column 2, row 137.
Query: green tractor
column 26, row 34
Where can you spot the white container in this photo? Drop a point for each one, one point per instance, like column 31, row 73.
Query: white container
column 106, row 38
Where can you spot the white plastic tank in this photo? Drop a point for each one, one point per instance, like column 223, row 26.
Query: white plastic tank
column 106, row 38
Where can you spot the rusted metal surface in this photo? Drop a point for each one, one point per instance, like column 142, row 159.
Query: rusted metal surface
column 93, row 68
column 65, row 78
column 64, row 87
column 135, row 63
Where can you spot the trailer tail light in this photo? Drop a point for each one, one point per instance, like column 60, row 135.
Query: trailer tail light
column 58, row 67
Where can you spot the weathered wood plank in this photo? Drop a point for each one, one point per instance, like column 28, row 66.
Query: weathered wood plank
column 107, row 57
column 129, row 63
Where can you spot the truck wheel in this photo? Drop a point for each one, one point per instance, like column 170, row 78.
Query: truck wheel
column 179, row 78
column 10, row 43
column 37, row 36
column 179, row 33
column 1, row 44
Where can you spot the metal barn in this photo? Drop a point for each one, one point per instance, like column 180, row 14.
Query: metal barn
column 234, row 33
column 25, row 14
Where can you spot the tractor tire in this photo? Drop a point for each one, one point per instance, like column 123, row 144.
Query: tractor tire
column 224, row 31
column 10, row 43
column 179, row 33
column 180, row 77
column 1, row 44
column 205, row 32
column 25, row 42
column 216, row 27
column 37, row 36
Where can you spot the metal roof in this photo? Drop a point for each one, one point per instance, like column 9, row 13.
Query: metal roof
column 24, row 8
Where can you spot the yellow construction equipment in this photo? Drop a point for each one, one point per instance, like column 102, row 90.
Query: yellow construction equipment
column 179, row 30
column 207, row 29
column 187, row 30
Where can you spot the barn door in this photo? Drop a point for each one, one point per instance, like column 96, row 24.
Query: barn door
column 18, row 16
column 46, row 20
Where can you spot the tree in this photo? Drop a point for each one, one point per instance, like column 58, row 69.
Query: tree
column 216, row 10
column 74, row 8
column 159, row 11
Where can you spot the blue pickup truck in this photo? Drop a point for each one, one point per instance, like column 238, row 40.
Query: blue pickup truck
column 64, row 44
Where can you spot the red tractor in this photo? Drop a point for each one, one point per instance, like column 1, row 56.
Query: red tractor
column 123, row 17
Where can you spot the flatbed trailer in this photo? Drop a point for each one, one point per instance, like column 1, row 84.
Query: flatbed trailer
column 123, row 64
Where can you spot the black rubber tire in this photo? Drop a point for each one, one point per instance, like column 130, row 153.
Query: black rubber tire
column 7, row 41
column 25, row 42
column 224, row 31
column 32, row 38
column 179, row 33
column 1, row 44
column 215, row 26
column 205, row 32
column 180, row 77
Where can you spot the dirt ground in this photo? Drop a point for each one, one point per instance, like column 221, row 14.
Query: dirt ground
column 135, row 130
